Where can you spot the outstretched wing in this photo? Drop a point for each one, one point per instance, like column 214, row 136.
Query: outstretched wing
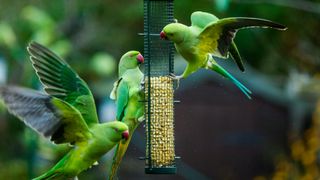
column 202, row 19
column 217, row 36
column 49, row 116
column 62, row 82
column 122, row 99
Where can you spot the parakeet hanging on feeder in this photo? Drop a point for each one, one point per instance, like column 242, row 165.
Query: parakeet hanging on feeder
column 66, row 114
column 129, row 96
column 210, row 37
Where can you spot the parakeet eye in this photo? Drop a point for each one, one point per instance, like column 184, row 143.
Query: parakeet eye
column 116, row 129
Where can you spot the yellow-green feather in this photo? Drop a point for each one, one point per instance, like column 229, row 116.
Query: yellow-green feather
column 74, row 128
column 62, row 82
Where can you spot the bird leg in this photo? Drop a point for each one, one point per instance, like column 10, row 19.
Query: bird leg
column 209, row 64
column 177, row 78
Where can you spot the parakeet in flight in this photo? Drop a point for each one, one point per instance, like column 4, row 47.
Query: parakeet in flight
column 129, row 96
column 210, row 37
column 66, row 114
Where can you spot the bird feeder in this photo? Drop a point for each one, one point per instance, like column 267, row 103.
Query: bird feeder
column 159, row 106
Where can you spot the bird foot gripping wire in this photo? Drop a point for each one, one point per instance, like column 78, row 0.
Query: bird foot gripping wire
column 141, row 119
column 142, row 85
column 177, row 78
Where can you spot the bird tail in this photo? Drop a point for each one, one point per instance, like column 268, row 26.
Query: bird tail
column 48, row 175
column 118, row 155
column 217, row 68
column 56, row 171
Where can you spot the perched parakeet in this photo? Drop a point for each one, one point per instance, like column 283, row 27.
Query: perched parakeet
column 67, row 114
column 129, row 95
column 209, row 37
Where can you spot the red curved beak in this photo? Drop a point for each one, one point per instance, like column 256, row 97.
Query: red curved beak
column 140, row 58
column 163, row 35
column 125, row 135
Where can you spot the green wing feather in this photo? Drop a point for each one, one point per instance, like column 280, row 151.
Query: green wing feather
column 62, row 82
column 73, row 127
column 233, row 50
column 202, row 19
column 217, row 36
column 49, row 116
column 122, row 99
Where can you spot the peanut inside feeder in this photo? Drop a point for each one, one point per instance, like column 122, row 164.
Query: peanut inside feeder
column 161, row 121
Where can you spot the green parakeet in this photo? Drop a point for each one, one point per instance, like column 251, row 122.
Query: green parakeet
column 66, row 114
column 129, row 95
column 209, row 37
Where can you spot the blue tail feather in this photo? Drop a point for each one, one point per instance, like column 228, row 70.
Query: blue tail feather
column 215, row 67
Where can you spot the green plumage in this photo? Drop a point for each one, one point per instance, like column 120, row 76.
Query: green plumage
column 66, row 114
column 209, row 36
column 62, row 82
column 129, row 97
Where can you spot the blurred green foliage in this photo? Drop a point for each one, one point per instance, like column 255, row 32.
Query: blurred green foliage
column 92, row 36
column 89, row 35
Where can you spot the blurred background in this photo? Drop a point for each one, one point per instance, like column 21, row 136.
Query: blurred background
column 220, row 134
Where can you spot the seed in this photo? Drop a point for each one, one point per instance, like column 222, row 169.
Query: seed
column 161, row 121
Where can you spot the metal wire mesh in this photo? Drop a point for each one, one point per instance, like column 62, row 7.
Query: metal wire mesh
column 159, row 52
column 160, row 154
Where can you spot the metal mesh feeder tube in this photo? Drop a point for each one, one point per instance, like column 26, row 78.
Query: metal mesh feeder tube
column 159, row 92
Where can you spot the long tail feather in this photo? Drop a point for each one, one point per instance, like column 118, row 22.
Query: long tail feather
column 118, row 155
column 55, row 172
column 217, row 68
column 48, row 175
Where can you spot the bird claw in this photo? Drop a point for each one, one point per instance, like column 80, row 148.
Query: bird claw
column 177, row 78
column 141, row 119
column 172, row 76
column 142, row 85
